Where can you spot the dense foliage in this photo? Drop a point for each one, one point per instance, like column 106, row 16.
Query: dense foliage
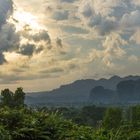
column 19, row 122
column 30, row 124
column 13, row 99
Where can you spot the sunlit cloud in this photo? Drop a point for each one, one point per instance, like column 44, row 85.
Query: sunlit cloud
column 65, row 40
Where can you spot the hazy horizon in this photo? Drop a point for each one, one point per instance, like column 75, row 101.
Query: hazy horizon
column 48, row 43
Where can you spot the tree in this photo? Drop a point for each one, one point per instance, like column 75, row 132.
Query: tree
column 11, row 99
column 92, row 115
column 113, row 118
column 7, row 97
column 19, row 97
column 135, row 114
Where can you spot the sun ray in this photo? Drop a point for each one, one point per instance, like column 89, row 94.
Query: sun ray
column 23, row 19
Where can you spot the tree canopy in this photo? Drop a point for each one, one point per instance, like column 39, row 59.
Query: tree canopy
column 13, row 99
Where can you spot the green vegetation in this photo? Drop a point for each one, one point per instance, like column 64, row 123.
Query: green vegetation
column 113, row 118
column 11, row 99
column 19, row 122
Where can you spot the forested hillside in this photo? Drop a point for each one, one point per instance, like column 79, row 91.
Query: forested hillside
column 19, row 122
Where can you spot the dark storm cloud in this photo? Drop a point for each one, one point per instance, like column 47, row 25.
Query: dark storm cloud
column 7, row 37
column 9, row 40
column 6, row 8
column 27, row 49
column 41, row 36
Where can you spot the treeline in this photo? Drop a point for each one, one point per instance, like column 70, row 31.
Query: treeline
column 11, row 99
column 96, row 117
column 19, row 122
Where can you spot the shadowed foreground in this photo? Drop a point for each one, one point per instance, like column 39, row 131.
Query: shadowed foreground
column 18, row 122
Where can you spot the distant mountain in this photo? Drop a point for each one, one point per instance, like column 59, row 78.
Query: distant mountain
column 101, row 95
column 75, row 92
column 127, row 92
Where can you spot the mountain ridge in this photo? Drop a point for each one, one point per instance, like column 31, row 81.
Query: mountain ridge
column 77, row 91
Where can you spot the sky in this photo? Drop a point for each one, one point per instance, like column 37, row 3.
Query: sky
column 48, row 43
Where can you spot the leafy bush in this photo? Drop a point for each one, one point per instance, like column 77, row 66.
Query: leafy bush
column 31, row 124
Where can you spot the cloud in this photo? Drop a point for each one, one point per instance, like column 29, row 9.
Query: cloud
column 73, row 39
column 68, row 1
column 9, row 40
column 59, row 42
column 133, row 59
column 27, row 49
column 131, row 19
column 95, row 19
column 136, row 37
column 116, row 22
column 2, row 59
column 60, row 15
column 6, row 8
column 107, row 16
column 52, row 70
column 74, row 30
column 36, row 35
column 113, row 50
column 7, row 36
column 136, row 2
column 42, row 35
